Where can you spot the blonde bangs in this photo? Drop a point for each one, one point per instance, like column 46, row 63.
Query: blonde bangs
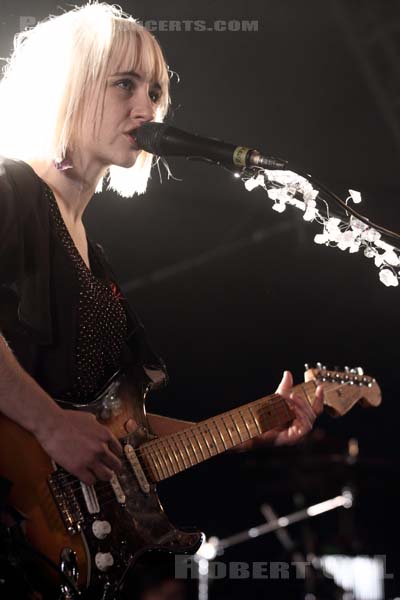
column 134, row 49
column 63, row 62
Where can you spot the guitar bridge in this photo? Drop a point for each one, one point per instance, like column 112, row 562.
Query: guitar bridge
column 66, row 502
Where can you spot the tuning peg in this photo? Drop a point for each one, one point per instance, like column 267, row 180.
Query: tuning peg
column 306, row 366
column 347, row 369
column 360, row 371
column 319, row 365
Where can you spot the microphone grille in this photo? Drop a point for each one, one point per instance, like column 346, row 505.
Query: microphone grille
column 149, row 137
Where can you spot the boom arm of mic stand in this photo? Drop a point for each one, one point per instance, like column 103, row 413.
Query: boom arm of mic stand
column 345, row 500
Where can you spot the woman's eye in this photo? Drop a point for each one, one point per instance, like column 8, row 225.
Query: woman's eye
column 155, row 96
column 126, row 84
column 129, row 86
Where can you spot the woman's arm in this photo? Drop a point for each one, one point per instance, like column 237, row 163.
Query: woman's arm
column 95, row 448
column 161, row 426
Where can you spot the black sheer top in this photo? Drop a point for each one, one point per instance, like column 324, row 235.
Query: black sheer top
column 69, row 327
column 101, row 322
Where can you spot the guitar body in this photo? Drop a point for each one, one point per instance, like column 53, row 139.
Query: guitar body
column 92, row 534
column 85, row 539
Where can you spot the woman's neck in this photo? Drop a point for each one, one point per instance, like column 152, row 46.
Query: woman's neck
column 73, row 188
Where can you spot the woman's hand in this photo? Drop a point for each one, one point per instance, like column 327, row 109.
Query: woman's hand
column 80, row 444
column 302, row 423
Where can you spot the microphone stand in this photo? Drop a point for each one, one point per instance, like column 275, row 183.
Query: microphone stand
column 214, row 546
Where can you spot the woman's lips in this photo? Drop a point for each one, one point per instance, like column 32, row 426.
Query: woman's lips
column 132, row 140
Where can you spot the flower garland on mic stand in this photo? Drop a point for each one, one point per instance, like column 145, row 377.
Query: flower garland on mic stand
column 346, row 233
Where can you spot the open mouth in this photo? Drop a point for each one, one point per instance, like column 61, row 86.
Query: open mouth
column 131, row 135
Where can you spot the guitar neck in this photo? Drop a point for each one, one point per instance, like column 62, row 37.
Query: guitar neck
column 169, row 455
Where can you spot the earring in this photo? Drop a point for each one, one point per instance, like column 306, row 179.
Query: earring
column 63, row 164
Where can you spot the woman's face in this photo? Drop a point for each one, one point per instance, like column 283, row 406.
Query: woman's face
column 131, row 99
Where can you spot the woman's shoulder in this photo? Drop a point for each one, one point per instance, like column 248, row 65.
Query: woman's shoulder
column 18, row 175
column 20, row 187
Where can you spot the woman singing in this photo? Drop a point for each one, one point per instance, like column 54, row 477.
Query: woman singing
column 72, row 95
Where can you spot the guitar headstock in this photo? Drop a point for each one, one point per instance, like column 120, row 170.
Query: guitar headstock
column 343, row 389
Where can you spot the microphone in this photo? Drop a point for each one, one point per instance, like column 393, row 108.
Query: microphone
column 163, row 140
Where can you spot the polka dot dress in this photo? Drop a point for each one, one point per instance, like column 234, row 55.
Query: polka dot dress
column 102, row 322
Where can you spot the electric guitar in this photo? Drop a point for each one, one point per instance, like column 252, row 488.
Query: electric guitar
column 86, row 538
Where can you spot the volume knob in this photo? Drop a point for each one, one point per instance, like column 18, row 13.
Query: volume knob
column 101, row 529
column 104, row 560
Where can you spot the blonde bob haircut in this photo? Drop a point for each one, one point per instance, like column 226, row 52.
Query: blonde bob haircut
column 54, row 70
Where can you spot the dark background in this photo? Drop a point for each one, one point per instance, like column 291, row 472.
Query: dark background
column 229, row 314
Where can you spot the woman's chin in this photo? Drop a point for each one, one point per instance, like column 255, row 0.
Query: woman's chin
column 127, row 161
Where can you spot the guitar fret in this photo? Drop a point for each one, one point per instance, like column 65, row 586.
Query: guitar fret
column 255, row 420
column 203, row 457
column 150, row 460
column 160, row 458
column 206, row 441
column 183, row 451
column 228, row 432
column 252, row 427
column 245, row 424
column 166, row 457
column 236, row 425
column 177, row 465
column 171, row 446
column 235, row 437
column 186, row 450
column 211, row 442
column 220, row 434
column 195, row 450
column 188, row 446
column 212, row 435
column 178, row 453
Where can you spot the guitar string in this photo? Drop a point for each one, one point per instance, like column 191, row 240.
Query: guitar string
column 152, row 452
column 143, row 449
column 154, row 449
column 104, row 490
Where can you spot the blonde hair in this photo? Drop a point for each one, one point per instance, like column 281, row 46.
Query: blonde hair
column 55, row 69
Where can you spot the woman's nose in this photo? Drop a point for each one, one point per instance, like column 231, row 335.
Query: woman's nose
column 143, row 108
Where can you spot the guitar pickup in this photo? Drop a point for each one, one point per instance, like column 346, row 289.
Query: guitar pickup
column 66, row 502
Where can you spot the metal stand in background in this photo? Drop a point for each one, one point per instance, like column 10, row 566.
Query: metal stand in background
column 214, row 546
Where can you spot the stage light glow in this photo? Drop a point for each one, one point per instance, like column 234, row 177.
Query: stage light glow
column 208, row 549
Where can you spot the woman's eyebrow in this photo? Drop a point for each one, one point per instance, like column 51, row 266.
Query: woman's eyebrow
column 135, row 76
column 125, row 73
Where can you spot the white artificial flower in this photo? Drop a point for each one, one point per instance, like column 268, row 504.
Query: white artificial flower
column 254, row 182
column 369, row 252
column 391, row 258
column 371, row 235
column 388, row 278
column 355, row 196
column 286, row 187
column 279, row 207
column 321, row 238
column 357, row 225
